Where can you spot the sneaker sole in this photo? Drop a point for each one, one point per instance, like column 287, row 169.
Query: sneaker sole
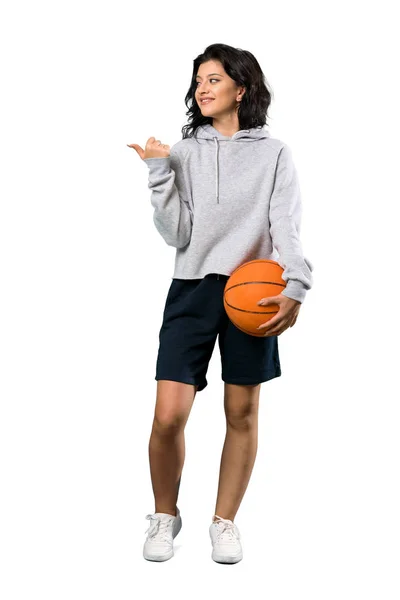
column 227, row 559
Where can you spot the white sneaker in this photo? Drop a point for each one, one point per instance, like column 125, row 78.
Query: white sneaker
column 161, row 533
column 225, row 539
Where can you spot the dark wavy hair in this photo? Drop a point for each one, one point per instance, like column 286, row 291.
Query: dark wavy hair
column 243, row 68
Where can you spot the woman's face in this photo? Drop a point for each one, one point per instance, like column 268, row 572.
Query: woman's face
column 213, row 82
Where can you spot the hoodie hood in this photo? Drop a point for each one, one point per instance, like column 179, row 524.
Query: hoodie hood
column 208, row 132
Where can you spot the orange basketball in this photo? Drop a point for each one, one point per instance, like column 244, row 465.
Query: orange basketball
column 245, row 287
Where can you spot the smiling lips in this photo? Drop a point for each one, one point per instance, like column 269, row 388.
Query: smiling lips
column 206, row 100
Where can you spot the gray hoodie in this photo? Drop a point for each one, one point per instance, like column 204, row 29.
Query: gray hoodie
column 222, row 201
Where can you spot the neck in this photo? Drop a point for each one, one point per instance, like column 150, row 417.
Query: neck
column 227, row 126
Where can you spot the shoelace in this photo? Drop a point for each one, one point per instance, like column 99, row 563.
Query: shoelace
column 226, row 531
column 158, row 528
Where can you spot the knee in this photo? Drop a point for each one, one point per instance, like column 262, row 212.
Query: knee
column 241, row 406
column 168, row 423
column 242, row 421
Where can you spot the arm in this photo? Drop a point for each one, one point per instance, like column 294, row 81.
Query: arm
column 172, row 214
column 285, row 221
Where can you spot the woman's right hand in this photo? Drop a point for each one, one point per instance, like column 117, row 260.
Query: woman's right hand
column 154, row 149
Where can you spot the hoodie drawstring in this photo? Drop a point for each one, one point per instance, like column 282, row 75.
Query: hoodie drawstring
column 208, row 132
column 216, row 168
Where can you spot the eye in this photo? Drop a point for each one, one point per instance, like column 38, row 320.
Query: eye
column 210, row 80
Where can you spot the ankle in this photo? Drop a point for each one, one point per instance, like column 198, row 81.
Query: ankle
column 173, row 512
column 215, row 518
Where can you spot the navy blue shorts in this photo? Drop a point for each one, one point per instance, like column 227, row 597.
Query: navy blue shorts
column 194, row 316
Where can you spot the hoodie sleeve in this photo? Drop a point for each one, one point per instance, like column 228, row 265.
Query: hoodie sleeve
column 285, row 221
column 172, row 216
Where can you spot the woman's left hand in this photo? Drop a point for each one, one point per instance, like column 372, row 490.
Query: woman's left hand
column 284, row 318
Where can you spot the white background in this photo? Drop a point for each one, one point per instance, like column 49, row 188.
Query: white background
column 84, row 277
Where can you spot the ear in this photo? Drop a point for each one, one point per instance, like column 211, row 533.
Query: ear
column 242, row 92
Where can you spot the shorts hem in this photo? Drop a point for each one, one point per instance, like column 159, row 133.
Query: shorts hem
column 247, row 381
column 187, row 380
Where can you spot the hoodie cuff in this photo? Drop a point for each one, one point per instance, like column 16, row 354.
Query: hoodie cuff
column 295, row 290
column 159, row 165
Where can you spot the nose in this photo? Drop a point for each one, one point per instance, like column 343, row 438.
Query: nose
column 200, row 88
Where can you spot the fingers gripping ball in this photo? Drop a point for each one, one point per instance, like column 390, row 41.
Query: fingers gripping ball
column 245, row 287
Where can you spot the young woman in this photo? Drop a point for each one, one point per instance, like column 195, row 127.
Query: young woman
column 225, row 194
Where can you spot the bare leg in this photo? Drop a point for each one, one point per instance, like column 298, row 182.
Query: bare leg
column 167, row 442
column 240, row 447
column 167, row 456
